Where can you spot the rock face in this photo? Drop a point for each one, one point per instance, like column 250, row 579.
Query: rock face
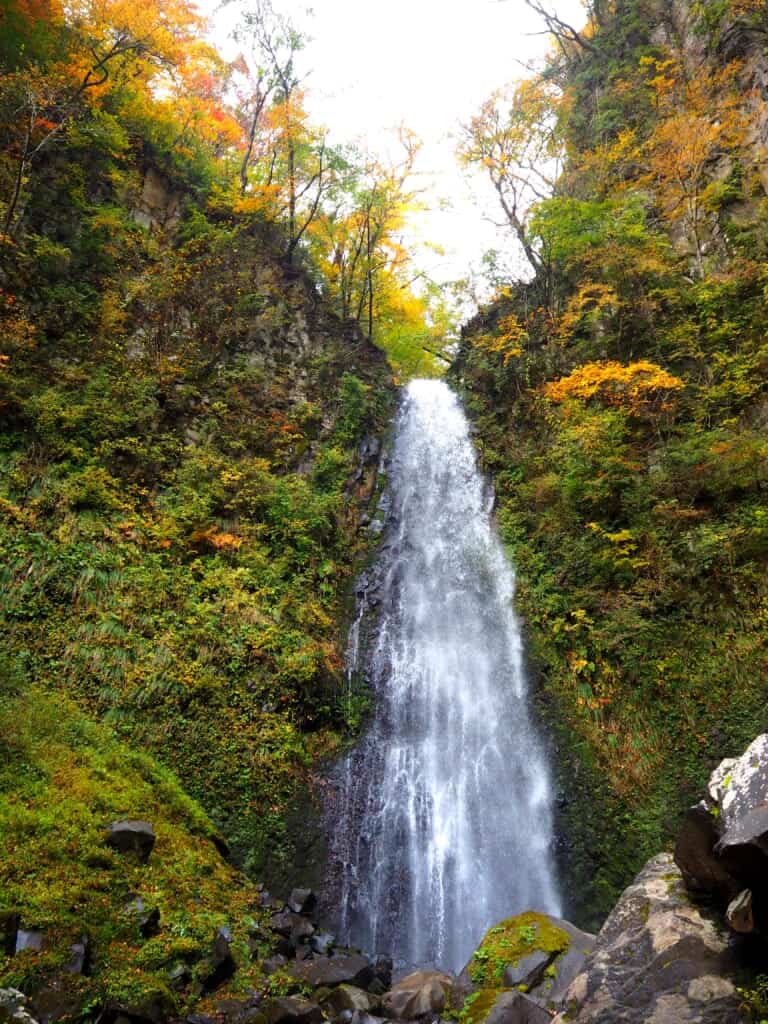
column 657, row 960
column 722, row 848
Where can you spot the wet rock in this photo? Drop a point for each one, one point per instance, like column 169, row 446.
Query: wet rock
column 739, row 913
column 382, row 970
column 326, row 971
column 656, row 959
column 302, row 901
column 29, row 939
column 147, row 918
column 132, row 836
column 418, row 995
column 516, row 1008
column 220, row 965
column 345, row 998
column 292, row 1010
column 13, row 1007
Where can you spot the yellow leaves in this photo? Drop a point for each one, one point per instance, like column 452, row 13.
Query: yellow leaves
column 591, row 300
column 508, row 342
column 639, row 387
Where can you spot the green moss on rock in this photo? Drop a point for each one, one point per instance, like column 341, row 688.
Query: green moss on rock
column 511, row 940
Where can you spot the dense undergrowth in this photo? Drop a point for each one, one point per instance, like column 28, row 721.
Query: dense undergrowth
column 620, row 402
column 183, row 482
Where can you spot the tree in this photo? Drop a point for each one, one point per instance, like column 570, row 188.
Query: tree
column 516, row 140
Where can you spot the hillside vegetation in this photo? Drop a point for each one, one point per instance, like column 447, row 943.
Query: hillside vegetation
column 619, row 394
column 195, row 291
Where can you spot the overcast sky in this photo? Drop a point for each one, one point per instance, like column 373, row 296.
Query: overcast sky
column 428, row 63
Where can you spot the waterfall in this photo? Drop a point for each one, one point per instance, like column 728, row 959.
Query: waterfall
column 446, row 822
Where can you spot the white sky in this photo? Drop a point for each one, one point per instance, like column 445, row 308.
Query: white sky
column 429, row 64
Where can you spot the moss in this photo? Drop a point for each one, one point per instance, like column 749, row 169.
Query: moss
column 479, row 1004
column 511, row 940
column 63, row 779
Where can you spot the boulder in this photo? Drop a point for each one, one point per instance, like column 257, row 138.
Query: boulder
column 147, row 918
column 325, row 971
column 131, row 836
column 13, row 1007
column 420, row 994
column 695, row 852
column 322, row 943
column 80, row 961
column 657, row 958
column 29, row 939
column 534, row 952
column 528, row 971
column 345, row 998
column 150, row 1008
column 302, row 901
column 220, row 965
column 723, row 844
column 292, row 1010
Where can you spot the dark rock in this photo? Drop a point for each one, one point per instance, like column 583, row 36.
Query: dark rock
column 152, row 1008
column 345, row 998
column 695, row 852
column 134, row 837
column 420, row 994
column 303, row 953
column 528, row 971
column 80, row 962
column 221, row 845
column 739, row 913
column 337, row 970
column 179, row 977
column 147, row 918
column 220, row 965
column 29, row 938
column 274, row 963
column 301, row 931
column 657, row 958
column 302, row 901
column 285, row 922
column 9, row 925
column 55, row 1001
column 322, row 943
column 516, row 1008
column 382, row 969
column 359, row 1017
column 292, row 1010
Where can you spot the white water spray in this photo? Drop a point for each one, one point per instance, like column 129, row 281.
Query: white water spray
column 446, row 820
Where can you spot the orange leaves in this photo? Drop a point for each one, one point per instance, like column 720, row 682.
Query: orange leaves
column 508, row 342
column 639, row 387
column 219, row 541
column 589, row 302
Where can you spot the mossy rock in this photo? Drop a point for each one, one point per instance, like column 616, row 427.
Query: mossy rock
column 510, row 941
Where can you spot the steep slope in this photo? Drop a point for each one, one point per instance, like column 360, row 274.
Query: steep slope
column 619, row 398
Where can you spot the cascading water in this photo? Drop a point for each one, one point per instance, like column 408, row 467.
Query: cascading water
column 446, row 810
